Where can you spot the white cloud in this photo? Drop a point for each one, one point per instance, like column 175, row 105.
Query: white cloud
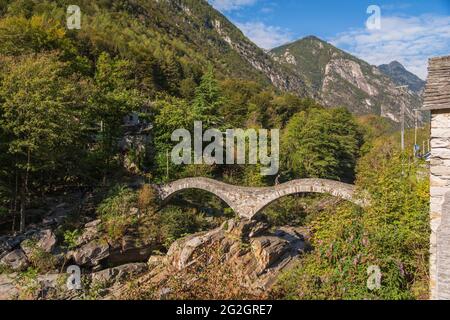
column 230, row 5
column 266, row 37
column 409, row 40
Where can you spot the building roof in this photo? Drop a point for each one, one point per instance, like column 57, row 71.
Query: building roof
column 437, row 91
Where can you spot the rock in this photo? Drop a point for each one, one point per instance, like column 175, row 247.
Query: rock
column 45, row 287
column 269, row 250
column 260, row 255
column 131, row 250
column 47, row 240
column 155, row 261
column 247, row 228
column 57, row 215
column 15, row 260
column 91, row 254
column 50, row 286
column 181, row 252
column 90, row 232
column 7, row 244
column 93, row 224
column 117, row 274
column 8, row 288
column 44, row 240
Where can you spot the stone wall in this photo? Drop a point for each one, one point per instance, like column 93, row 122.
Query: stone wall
column 440, row 189
column 437, row 99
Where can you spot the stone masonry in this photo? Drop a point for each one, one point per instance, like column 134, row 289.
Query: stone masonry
column 248, row 202
column 437, row 99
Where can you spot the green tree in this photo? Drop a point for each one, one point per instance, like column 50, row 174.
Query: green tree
column 39, row 115
column 321, row 143
column 208, row 101
column 114, row 97
column 172, row 114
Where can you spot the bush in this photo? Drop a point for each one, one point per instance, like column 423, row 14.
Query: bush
column 70, row 238
column 177, row 223
column 392, row 233
column 147, row 198
column 40, row 260
column 115, row 211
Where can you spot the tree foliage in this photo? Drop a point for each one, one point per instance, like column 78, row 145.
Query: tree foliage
column 321, row 143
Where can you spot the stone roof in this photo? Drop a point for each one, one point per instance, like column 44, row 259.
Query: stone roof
column 437, row 91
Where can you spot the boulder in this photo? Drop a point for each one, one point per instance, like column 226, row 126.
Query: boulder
column 91, row 254
column 155, row 261
column 46, row 286
column 117, row 274
column 181, row 252
column 131, row 250
column 5, row 246
column 15, row 260
column 260, row 255
column 57, row 215
column 45, row 240
column 268, row 250
column 8, row 288
column 8, row 244
column 90, row 232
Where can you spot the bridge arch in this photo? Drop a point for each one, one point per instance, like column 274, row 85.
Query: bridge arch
column 170, row 190
column 248, row 202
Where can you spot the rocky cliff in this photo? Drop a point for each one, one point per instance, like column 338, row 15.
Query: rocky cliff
column 337, row 78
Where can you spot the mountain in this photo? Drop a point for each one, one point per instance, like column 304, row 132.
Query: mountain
column 337, row 78
column 172, row 42
column 204, row 30
column 309, row 67
column 402, row 77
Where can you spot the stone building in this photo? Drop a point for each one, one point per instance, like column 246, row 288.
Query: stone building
column 437, row 100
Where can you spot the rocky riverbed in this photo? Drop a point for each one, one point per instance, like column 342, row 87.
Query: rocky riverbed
column 257, row 253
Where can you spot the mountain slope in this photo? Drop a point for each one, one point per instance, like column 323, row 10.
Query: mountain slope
column 402, row 77
column 199, row 26
column 337, row 78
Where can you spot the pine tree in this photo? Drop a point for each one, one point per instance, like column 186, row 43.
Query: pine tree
column 208, row 101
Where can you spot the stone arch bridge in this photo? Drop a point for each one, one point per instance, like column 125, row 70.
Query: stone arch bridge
column 248, row 202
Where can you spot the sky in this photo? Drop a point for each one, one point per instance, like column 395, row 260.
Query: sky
column 409, row 31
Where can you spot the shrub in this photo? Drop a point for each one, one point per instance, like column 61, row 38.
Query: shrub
column 147, row 198
column 70, row 238
column 28, row 284
column 115, row 211
column 40, row 260
column 177, row 223
column 392, row 233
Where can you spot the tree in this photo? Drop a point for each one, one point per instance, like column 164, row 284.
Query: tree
column 39, row 115
column 19, row 35
column 172, row 114
column 321, row 143
column 114, row 97
column 208, row 101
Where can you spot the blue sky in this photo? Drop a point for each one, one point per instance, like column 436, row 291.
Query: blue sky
column 411, row 30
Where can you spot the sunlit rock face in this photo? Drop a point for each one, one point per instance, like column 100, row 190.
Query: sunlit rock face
column 336, row 78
